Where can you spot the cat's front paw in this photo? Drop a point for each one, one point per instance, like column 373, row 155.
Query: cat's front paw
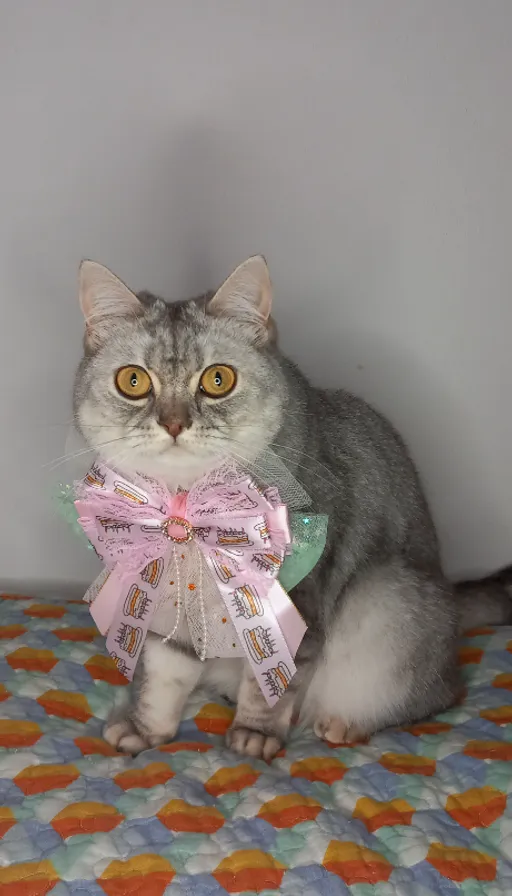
column 249, row 742
column 122, row 734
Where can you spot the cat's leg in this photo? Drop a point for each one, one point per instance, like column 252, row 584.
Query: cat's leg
column 258, row 729
column 389, row 658
column 163, row 685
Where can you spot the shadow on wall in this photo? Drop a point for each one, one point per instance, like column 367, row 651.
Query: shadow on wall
column 438, row 429
column 149, row 220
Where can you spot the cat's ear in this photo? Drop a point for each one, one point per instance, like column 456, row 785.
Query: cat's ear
column 246, row 296
column 103, row 297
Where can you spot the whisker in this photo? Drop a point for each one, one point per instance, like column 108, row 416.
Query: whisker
column 331, row 481
column 53, row 464
column 118, row 456
column 70, row 423
column 262, row 472
column 298, row 451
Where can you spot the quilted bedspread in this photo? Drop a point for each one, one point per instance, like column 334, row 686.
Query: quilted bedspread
column 419, row 810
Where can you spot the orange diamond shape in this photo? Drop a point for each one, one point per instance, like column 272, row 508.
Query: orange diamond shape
column 356, row 864
column 7, row 820
column 91, row 746
column 16, row 733
column 500, row 715
column 503, row 681
column 499, row 750
column 45, row 611
column 251, row 870
column 214, row 718
column 40, row 778
column 476, row 808
column 177, row 815
column 66, row 705
column 76, row 633
column 408, row 764
column 375, row 814
column 86, row 818
column 144, row 875
column 32, row 660
column 460, row 864
column 467, row 655
column 319, row 768
column 150, row 776
column 103, row 668
column 10, row 632
column 287, row 811
column 28, row 879
column 231, row 780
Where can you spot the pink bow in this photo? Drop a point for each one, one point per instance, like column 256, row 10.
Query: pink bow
column 140, row 530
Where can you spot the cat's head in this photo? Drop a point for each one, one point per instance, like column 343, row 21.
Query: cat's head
column 170, row 390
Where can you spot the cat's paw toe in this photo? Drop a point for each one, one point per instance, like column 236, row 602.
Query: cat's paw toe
column 336, row 731
column 114, row 732
column 133, row 744
column 252, row 743
column 129, row 736
column 123, row 736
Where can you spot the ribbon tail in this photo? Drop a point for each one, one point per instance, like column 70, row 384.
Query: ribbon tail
column 259, row 624
column 134, row 605
column 103, row 606
column 291, row 622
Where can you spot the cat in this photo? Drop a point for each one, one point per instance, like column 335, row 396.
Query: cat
column 171, row 390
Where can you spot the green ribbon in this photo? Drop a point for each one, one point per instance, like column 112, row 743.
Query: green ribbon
column 309, row 535
column 64, row 498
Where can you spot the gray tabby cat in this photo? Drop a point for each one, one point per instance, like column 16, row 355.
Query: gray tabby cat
column 209, row 382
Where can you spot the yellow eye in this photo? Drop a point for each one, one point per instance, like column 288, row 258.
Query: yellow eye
column 217, row 381
column 133, row 382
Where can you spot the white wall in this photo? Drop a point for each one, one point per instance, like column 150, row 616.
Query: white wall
column 364, row 147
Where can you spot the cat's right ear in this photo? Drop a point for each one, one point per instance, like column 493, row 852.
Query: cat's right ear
column 103, row 297
column 246, row 297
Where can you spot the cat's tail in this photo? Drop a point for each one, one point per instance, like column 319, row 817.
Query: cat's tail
column 486, row 601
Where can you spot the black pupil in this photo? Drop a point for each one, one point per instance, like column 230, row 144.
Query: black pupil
column 218, row 379
column 134, row 380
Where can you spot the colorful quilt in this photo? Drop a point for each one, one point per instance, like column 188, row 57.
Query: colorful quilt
column 416, row 811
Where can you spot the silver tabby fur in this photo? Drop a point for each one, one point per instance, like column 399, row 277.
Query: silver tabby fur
column 382, row 619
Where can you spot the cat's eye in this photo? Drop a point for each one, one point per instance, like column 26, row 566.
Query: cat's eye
column 133, row 382
column 218, row 380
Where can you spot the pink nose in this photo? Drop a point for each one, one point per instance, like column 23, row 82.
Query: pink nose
column 173, row 427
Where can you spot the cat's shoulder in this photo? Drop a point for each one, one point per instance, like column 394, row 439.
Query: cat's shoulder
column 348, row 418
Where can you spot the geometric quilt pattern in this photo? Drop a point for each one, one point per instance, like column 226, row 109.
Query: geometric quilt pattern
column 420, row 810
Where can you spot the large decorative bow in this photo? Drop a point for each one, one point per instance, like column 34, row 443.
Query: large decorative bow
column 200, row 566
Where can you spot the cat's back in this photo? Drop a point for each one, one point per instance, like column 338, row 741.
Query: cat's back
column 348, row 425
column 366, row 456
column 363, row 447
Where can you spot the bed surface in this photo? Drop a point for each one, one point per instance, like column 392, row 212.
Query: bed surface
column 416, row 811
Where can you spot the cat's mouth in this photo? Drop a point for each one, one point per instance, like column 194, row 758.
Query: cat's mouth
column 174, row 449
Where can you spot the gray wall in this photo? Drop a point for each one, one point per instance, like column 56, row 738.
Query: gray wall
column 364, row 147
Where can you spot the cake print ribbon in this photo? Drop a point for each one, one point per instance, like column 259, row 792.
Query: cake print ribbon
column 139, row 530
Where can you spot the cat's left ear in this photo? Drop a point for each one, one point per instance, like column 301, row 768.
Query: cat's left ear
column 103, row 299
column 246, row 296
